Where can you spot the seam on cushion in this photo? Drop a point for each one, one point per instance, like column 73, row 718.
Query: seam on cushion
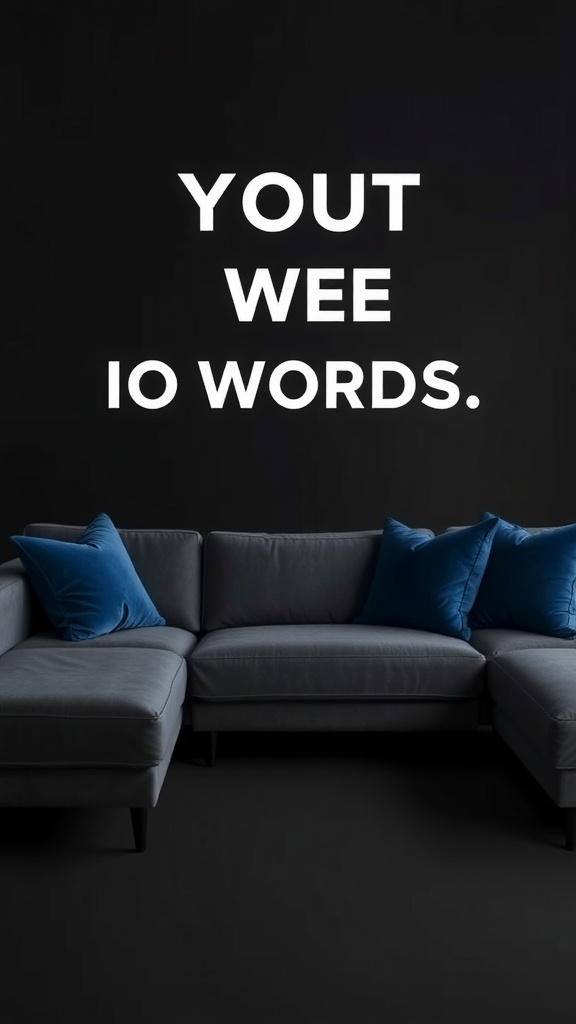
column 53, row 633
column 555, row 766
column 107, row 718
column 178, row 670
column 75, row 644
column 339, row 657
column 361, row 535
column 157, row 533
column 498, row 653
column 334, row 699
column 79, row 764
column 552, row 718
column 571, row 602
column 90, row 645
column 154, row 717
column 120, row 530
column 471, row 573
column 20, row 652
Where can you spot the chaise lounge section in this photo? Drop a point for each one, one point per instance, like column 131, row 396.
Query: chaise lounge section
column 94, row 723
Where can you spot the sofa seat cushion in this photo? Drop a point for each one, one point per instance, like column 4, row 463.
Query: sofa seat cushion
column 495, row 642
column 89, row 707
column 159, row 638
column 333, row 662
column 536, row 689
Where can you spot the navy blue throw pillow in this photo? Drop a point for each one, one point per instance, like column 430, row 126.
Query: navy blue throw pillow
column 88, row 587
column 425, row 582
column 530, row 582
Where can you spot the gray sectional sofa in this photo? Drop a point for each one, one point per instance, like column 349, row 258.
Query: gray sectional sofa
column 259, row 636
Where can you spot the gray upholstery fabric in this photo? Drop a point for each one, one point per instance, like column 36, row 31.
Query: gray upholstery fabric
column 335, row 716
column 333, row 663
column 17, row 605
column 159, row 638
column 560, row 784
column 86, row 787
column 537, row 691
column 89, row 707
column 259, row 579
column 167, row 561
column 494, row 642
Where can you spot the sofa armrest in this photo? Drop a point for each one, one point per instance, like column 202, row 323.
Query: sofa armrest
column 18, row 605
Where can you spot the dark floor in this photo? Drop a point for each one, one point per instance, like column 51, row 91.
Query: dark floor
column 303, row 880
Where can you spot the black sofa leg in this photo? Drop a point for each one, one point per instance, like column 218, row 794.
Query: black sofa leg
column 210, row 757
column 570, row 827
column 139, row 827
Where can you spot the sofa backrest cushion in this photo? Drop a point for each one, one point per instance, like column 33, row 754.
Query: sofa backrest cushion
column 167, row 561
column 20, row 612
column 258, row 579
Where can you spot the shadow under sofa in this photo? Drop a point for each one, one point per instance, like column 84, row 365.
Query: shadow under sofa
column 259, row 637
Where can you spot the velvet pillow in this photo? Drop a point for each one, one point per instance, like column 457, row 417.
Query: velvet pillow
column 530, row 582
column 428, row 583
column 89, row 587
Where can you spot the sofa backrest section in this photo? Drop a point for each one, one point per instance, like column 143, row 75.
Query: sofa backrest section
column 167, row 561
column 18, row 606
column 259, row 579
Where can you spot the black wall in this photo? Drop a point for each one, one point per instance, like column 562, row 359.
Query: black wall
column 104, row 104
